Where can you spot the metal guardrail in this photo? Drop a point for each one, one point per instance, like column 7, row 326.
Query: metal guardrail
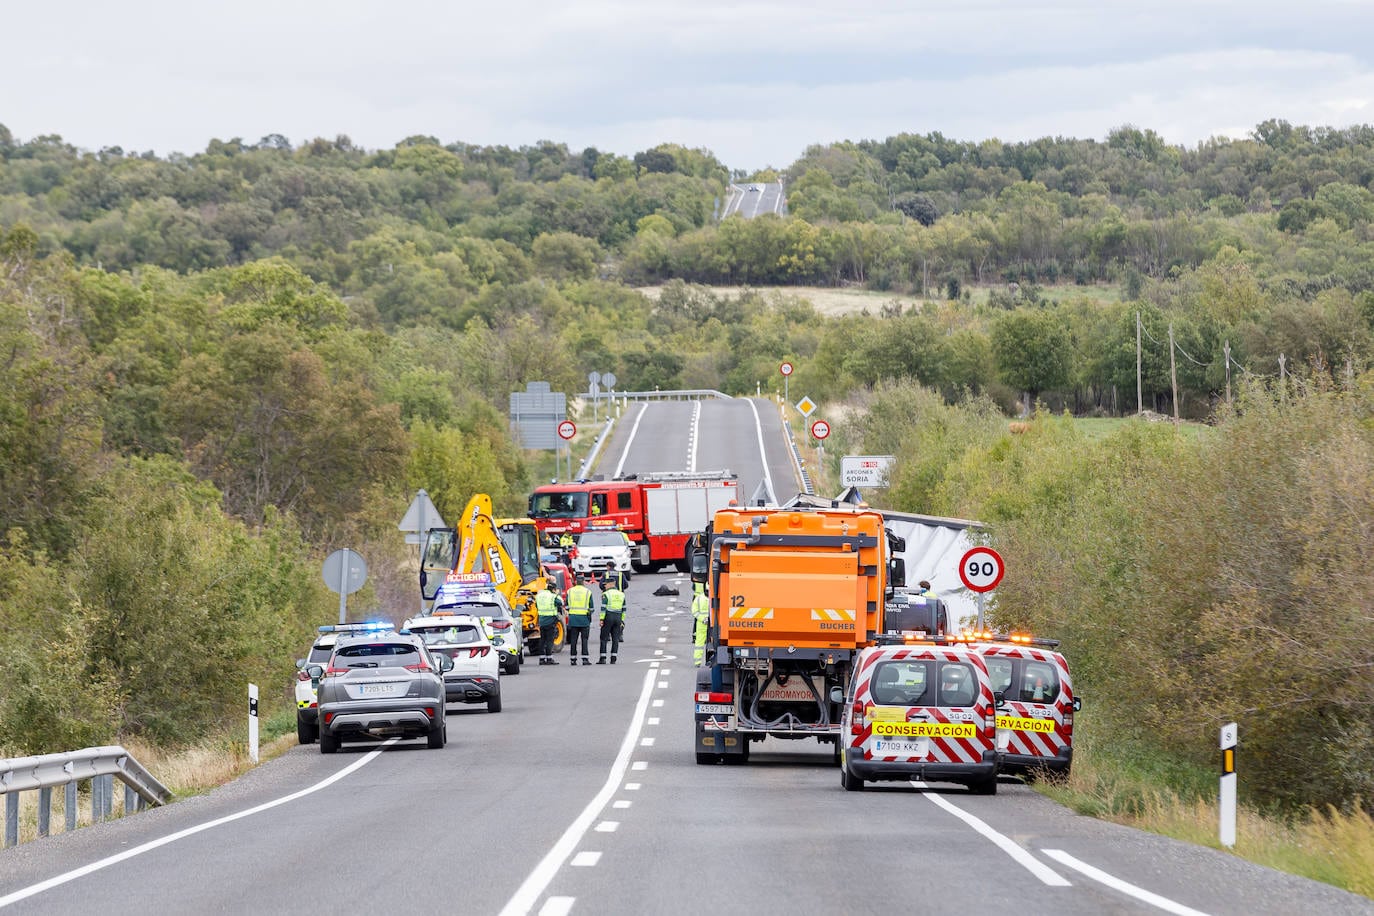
column 800, row 468
column 590, row 461
column 100, row 765
column 685, row 394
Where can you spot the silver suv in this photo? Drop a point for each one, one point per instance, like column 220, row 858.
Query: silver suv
column 379, row 687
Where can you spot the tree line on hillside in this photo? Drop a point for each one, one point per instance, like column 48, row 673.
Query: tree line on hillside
column 220, row 367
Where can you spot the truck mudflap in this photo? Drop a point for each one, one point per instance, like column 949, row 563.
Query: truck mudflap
column 718, row 738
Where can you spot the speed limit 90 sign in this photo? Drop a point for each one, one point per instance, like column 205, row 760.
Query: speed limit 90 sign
column 981, row 569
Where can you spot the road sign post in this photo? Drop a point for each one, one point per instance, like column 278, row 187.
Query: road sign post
column 566, row 430
column 344, row 572
column 980, row 569
column 1229, row 734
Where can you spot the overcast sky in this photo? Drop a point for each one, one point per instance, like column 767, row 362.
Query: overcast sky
column 754, row 83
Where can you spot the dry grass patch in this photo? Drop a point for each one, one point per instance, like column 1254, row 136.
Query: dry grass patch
column 826, row 300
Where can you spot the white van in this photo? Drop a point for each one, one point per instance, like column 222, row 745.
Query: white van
column 919, row 712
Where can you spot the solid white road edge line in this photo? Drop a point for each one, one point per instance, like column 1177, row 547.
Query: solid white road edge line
column 694, row 437
column 1023, row 858
column 26, row 892
column 528, row 892
column 633, row 430
column 1139, row 893
column 763, row 454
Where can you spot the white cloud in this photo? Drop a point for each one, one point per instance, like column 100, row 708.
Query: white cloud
column 755, row 83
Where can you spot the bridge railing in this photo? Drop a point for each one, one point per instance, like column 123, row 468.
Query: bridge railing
column 100, row 765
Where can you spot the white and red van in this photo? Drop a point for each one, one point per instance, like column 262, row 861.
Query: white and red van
column 919, row 712
column 1035, row 717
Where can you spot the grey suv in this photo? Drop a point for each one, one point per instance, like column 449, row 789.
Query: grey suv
column 378, row 687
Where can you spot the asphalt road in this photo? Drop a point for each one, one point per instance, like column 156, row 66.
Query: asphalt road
column 583, row 796
column 754, row 199
column 746, row 435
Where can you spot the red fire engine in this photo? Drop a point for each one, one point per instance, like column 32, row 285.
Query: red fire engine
column 658, row 511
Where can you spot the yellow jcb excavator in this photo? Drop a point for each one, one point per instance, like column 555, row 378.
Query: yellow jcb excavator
column 505, row 549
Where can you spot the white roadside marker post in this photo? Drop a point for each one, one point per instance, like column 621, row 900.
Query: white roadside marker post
column 253, row 722
column 1229, row 734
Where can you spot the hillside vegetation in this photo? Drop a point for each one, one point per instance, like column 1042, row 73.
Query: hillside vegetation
column 220, row 367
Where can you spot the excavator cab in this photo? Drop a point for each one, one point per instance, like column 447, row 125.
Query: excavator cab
column 437, row 558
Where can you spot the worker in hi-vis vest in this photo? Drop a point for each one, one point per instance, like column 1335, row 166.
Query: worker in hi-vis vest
column 701, row 616
column 580, row 620
column 548, row 605
column 612, row 619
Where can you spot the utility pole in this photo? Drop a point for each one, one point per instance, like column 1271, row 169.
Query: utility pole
column 1139, row 395
column 1173, row 373
column 1226, row 352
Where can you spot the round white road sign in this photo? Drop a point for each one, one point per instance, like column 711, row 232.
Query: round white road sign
column 785, row 368
column 820, row 429
column 567, row 429
column 981, row 569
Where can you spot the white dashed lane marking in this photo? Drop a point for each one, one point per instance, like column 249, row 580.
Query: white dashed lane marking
column 585, row 860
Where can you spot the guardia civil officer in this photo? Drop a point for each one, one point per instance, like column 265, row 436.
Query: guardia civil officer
column 612, row 617
column 549, row 605
column 580, row 620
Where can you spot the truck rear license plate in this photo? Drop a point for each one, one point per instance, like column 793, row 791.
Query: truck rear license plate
column 715, row 709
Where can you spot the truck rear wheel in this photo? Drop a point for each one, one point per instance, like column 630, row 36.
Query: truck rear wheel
column 849, row 781
column 984, row 786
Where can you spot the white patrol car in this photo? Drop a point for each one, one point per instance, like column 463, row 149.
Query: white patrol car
column 476, row 673
column 307, row 688
column 600, row 547
column 474, row 594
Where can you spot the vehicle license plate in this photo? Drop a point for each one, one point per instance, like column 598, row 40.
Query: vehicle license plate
column 376, row 690
column 897, row 747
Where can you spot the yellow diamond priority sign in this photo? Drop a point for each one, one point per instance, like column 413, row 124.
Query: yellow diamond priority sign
column 806, row 406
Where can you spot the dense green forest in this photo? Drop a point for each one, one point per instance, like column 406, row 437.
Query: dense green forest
column 219, row 367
